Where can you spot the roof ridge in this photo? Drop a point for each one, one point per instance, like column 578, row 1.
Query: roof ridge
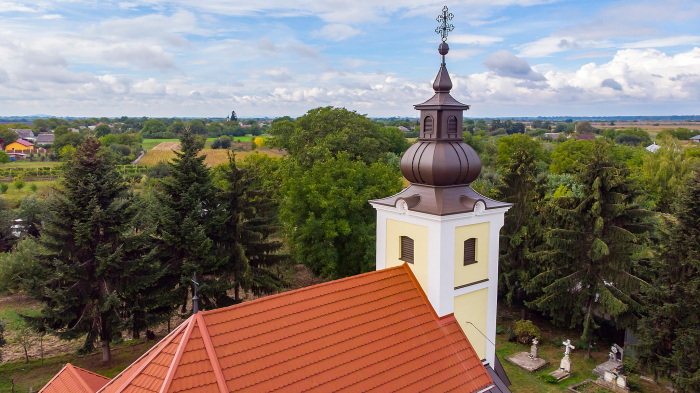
column 80, row 379
column 420, row 290
column 54, row 377
column 148, row 356
column 211, row 352
column 307, row 353
column 369, row 365
column 178, row 355
column 316, row 286
column 80, row 369
column 320, row 316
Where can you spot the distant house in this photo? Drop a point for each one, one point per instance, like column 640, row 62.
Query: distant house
column 75, row 130
column 585, row 137
column 653, row 147
column 551, row 135
column 696, row 138
column 45, row 139
column 24, row 133
column 404, row 129
column 19, row 144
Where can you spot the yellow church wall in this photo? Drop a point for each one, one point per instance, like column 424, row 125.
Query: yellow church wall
column 419, row 234
column 472, row 307
column 465, row 275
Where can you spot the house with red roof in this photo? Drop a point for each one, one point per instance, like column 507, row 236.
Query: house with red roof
column 425, row 320
column 19, row 144
column 73, row 379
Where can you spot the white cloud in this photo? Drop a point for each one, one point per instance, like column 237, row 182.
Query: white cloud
column 463, row 54
column 51, row 16
column 665, row 42
column 8, row 6
column 554, row 44
column 470, row 39
column 478, row 23
column 336, row 32
column 506, row 64
column 144, row 57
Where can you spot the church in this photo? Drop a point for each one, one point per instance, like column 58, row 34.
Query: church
column 425, row 320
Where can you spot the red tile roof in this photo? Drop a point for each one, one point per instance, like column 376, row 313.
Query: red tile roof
column 372, row 332
column 24, row 143
column 73, row 379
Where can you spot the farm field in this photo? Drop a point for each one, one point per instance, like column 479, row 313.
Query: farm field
column 652, row 128
column 149, row 144
column 33, row 164
column 214, row 157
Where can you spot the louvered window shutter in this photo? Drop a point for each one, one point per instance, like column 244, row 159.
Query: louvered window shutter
column 406, row 249
column 469, row 251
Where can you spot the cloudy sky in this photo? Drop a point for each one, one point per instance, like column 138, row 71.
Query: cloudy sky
column 283, row 57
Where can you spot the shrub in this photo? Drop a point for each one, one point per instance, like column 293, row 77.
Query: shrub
column 548, row 378
column 525, row 331
column 500, row 131
column 225, row 142
column 33, row 187
column 3, row 188
column 216, row 144
column 259, row 142
column 499, row 329
column 511, row 335
column 18, row 183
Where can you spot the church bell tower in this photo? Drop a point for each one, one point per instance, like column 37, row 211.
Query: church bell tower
column 446, row 232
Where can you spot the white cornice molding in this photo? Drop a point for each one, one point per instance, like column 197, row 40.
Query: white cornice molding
column 450, row 217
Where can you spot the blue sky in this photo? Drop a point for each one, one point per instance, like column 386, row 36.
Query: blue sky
column 282, row 57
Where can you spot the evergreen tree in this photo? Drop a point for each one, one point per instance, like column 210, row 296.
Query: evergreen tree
column 87, row 247
column 521, row 185
column 670, row 332
column 590, row 252
column 187, row 205
column 243, row 231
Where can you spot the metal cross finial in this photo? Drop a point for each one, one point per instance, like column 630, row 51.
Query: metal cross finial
column 444, row 27
column 195, row 299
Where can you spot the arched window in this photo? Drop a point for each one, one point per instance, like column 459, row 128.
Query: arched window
column 470, row 251
column 406, row 253
column 452, row 127
column 428, row 126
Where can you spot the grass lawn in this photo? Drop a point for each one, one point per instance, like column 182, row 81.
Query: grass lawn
column 13, row 195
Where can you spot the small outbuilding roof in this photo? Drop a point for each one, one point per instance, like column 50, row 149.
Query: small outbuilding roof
column 44, row 139
column 73, row 379
column 695, row 138
column 24, row 133
column 23, row 143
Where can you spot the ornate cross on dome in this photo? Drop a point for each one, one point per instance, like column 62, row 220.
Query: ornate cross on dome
column 444, row 27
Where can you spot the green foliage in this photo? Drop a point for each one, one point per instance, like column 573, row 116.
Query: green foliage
column 152, row 126
column 680, row 133
column 668, row 333
column 73, row 139
column 525, row 331
column 521, row 185
column 8, row 136
column 548, row 378
column 329, row 224
column 633, row 137
column 33, row 187
column 186, row 208
column 18, row 183
column 243, row 235
column 663, row 173
column 18, row 265
column 102, row 130
column 322, row 130
column 592, row 249
column 571, row 156
column 4, row 158
column 585, row 127
column 88, row 252
column 396, row 139
column 196, row 127
column 3, row 188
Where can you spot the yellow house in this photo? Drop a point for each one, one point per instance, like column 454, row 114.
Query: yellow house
column 19, row 145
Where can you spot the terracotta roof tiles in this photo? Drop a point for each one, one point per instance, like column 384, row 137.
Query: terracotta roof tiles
column 73, row 379
column 372, row 332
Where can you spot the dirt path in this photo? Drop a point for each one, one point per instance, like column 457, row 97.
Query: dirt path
column 167, row 146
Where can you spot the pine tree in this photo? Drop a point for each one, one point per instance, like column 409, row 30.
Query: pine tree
column 670, row 332
column 521, row 185
column 187, row 205
column 243, row 237
column 590, row 252
column 88, row 246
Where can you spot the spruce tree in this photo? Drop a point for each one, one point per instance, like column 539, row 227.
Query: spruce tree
column 590, row 252
column 243, row 236
column 669, row 333
column 87, row 246
column 521, row 185
column 187, row 205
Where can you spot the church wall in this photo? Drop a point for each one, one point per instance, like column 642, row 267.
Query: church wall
column 471, row 274
column 473, row 307
column 419, row 234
